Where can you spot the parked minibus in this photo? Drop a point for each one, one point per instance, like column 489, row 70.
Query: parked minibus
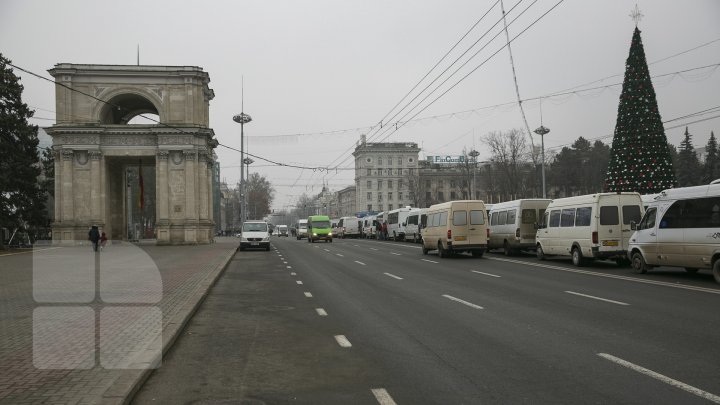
column 681, row 228
column 350, row 227
column 415, row 217
column 301, row 229
column 396, row 221
column 369, row 225
column 588, row 227
column 456, row 226
column 512, row 224
column 319, row 228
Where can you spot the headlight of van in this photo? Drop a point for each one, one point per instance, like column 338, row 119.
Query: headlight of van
column 314, row 234
column 265, row 239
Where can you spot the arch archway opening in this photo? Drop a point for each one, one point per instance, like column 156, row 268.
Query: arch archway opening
column 126, row 109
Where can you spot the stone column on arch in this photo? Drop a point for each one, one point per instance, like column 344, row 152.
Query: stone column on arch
column 96, row 200
column 203, row 186
column 191, row 217
column 67, row 212
column 162, row 197
column 58, row 186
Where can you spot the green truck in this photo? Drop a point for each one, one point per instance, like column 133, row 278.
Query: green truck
column 319, row 228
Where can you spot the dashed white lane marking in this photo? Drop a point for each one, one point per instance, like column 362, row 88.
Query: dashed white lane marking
column 470, row 304
column 356, row 245
column 597, row 298
column 396, row 254
column 284, row 262
column 485, row 274
column 342, row 341
column 361, row 263
column 320, row 311
column 307, row 294
column 327, row 250
column 382, row 396
column 393, row 276
column 429, row 261
column 338, row 254
column 289, row 267
column 293, row 274
column 663, row 378
column 593, row 273
column 299, row 282
column 374, row 249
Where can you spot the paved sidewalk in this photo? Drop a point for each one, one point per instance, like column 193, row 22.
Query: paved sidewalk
column 32, row 372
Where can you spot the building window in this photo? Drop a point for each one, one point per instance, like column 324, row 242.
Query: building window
column 380, row 207
column 390, row 161
column 399, row 195
column 400, row 184
column 452, row 183
column 389, row 172
column 411, row 171
column 379, row 197
column 428, row 196
column 369, row 184
column 369, row 207
column 380, row 160
column 369, row 172
column 453, row 196
column 399, row 161
column 390, row 207
column 389, row 195
column 427, row 183
column 389, row 184
column 441, row 197
column 379, row 184
column 369, row 195
column 379, row 172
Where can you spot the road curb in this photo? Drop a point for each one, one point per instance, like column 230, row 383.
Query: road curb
column 124, row 388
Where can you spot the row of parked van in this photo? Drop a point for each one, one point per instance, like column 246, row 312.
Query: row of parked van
column 677, row 227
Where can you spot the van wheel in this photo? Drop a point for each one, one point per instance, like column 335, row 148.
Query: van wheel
column 716, row 270
column 638, row 263
column 577, row 258
column 442, row 252
column 539, row 253
column 330, row 240
column 426, row 250
column 691, row 270
column 506, row 249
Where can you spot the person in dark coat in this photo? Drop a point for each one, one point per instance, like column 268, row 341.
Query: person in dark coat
column 94, row 237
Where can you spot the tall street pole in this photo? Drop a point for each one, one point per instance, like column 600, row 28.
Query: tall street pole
column 542, row 131
column 242, row 119
column 474, row 154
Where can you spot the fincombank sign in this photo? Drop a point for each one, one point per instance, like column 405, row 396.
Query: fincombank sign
column 450, row 159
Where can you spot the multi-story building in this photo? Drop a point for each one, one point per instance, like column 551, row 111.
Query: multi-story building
column 346, row 202
column 382, row 172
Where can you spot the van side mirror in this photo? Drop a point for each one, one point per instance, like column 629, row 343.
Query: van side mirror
column 633, row 226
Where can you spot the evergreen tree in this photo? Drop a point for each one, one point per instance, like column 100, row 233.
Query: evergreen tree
column 639, row 158
column 711, row 169
column 22, row 201
column 688, row 169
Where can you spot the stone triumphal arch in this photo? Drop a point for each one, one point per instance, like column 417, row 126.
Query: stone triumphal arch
column 101, row 156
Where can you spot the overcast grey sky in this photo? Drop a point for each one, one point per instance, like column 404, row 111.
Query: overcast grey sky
column 311, row 67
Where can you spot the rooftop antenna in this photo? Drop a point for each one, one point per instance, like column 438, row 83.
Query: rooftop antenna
column 138, row 54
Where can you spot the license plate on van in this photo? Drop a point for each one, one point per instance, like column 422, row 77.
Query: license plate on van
column 459, row 238
column 610, row 243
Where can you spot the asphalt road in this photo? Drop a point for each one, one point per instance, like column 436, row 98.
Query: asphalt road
column 425, row 330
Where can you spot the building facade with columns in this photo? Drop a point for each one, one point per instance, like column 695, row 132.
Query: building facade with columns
column 98, row 149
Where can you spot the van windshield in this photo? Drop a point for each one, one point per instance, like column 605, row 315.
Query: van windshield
column 254, row 227
column 321, row 224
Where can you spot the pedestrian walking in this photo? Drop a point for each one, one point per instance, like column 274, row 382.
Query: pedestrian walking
column 94, row 237
column 103, row 240
column 384, row 231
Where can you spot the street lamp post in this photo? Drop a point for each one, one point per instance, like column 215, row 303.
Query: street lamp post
column 242, row 119
column 473, row 154
column 542, row 131
column 247, row 162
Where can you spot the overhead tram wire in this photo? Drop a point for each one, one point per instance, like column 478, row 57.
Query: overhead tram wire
column 401, row 124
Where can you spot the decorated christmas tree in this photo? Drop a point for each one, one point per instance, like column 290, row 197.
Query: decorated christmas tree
column 639, row 158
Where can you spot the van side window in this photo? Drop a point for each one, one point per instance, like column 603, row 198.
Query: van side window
column 423, row 220
column 528, row 216
column 545, row 219
column 502, row 218
column 583, row 216
column 554, row 218
column 672, row 216
column 459, row 218
column 511, row 216
column 436, row 219
column 631, row 213
column 648, row 221
column 477, row 217
column 609, row 215
column 567, row 217
column 493, row 218
column 443, row 218
column 699, row 213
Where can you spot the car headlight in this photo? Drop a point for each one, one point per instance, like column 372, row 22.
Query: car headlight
column 329, row 233
column 243, row 239
column 265, row 239
column 314, row 234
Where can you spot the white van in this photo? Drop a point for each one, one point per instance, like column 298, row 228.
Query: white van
column 416, row 216
column 301, row 229
column 368, row 230
column 350, row 227
column 456, row 226
column 587, row 227
column 512, row 224
column 681, row 228
column 396, row 221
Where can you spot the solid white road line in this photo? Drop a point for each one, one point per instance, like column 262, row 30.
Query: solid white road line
column 593, row 273
column 342, row 341
column 663, row 378
column 382, row 396
column 485, row 274
column 597, row 298
column 299, row 282
column 361, row 263
column 327, row 250
column 396, row 254
column 393, row 276
column 338, row 254
column 320, row 311
column 307, row 294
column 470, row 304
column 429, row 261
